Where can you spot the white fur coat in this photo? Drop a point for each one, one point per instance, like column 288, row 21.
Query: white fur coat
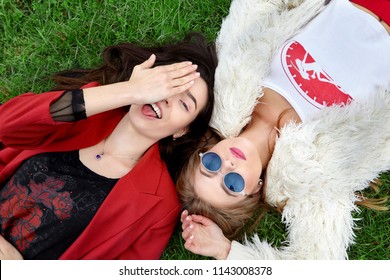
column 317, row 166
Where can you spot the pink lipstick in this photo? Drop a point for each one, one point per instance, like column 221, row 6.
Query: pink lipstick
column 237, row 153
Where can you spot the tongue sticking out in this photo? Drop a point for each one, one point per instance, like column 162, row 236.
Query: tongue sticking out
column 147, row 110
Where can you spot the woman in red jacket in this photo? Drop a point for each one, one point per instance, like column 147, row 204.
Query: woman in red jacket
column 82, row 171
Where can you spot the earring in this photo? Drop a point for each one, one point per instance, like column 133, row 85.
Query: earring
column 260, row 183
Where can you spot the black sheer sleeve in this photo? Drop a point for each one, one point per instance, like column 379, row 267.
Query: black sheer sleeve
column 69, row 107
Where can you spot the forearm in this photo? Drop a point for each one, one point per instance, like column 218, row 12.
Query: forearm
column 78, row 104
column 69, row 107
column 225, row 250
column 104, row 98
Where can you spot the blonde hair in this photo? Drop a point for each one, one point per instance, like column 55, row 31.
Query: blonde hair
column 378, row 204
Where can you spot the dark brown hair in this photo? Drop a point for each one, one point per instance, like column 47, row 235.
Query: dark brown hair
column 118, row 63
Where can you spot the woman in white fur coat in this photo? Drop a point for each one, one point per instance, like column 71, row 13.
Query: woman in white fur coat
column 320, row 127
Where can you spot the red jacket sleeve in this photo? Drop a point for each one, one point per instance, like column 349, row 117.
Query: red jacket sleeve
column 25, row 121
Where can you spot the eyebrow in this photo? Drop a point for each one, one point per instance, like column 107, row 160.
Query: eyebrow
column 222, row 186
column 193, row 99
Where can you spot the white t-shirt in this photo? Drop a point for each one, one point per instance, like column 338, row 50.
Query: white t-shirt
column 343, row 54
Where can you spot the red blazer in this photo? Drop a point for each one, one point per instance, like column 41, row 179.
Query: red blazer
column 137, row 218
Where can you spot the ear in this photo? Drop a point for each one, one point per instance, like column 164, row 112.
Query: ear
column 180, row 133
column 258, row 186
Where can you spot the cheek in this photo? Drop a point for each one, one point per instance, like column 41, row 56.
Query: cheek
column 251, row 177
column 180, row 120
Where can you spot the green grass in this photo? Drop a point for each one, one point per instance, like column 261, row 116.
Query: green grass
column 39, row 38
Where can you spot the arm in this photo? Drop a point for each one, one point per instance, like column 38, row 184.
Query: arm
column 146, row 85
column 7, row 251
column 202, row 236
column 315, row 235
column 26, row 120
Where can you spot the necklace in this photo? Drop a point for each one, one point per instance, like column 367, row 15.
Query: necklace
column 100, row 155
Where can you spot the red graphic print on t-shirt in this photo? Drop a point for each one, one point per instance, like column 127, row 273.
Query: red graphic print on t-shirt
column 310, row 79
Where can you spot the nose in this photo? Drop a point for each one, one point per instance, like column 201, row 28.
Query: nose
column 228, row 164
column 168, row 101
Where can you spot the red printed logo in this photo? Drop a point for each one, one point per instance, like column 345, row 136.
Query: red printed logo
column 310, row 79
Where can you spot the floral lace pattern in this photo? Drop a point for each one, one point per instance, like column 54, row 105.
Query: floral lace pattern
column 48, row 202
column 25, row 206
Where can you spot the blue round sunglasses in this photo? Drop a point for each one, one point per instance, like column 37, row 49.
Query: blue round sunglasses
column 233, row 181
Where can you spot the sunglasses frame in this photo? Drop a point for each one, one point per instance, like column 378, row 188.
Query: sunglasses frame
column 201, row 155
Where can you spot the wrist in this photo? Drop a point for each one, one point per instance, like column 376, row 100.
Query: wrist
column 225, row 250
column 104, row 98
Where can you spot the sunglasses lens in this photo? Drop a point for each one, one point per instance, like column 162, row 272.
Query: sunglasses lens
column 234, row 182
column 211, row 161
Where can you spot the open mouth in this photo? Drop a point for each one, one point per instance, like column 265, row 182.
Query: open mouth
column 156, row 110
column 152, row 111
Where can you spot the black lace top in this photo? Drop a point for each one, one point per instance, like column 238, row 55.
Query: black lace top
column 48, row 202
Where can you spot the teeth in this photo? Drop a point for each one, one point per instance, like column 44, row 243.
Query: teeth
column 156, row 110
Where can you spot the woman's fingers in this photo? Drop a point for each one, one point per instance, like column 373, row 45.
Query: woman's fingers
column 177, row 67
column 201, row 220
column 187, row 233
column 183, row 216
column 180, row 74
column 188, row 80
column 187, row 226
column 186, row 221
column 147, row 63
column 188, row 71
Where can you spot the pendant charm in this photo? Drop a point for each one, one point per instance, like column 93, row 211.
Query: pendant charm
column 99, row 156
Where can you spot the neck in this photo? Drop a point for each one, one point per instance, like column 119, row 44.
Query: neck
column 126, row 142
column 262, row 134
column 265, row 122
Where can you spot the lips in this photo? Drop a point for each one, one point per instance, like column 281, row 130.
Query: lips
column 237, row 153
